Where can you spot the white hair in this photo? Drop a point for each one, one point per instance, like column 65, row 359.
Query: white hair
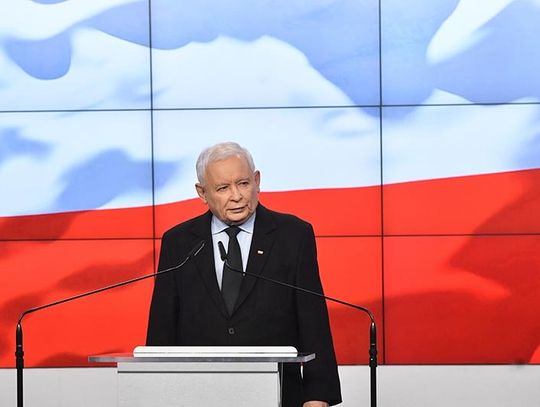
column 220, row 152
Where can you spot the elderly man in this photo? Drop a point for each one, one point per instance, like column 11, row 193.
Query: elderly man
column 206, row 304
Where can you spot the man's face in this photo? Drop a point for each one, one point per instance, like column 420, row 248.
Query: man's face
column 230, row 189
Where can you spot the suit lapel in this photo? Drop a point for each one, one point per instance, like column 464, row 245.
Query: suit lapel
column 261, row 244
column 205, row 262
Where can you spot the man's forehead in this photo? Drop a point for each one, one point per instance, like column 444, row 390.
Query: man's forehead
column 221, row 178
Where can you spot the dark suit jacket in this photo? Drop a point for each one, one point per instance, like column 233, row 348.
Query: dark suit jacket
column 187, row 307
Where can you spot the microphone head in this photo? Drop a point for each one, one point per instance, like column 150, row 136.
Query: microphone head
column 196, row 250
column 222, row 251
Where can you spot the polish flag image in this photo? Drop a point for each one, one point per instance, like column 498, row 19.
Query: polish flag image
column 419, row 167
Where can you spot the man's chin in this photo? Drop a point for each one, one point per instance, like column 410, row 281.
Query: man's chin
column 237, row 219
column 235, row 222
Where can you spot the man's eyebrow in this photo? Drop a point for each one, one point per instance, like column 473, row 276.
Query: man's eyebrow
column 221, row 184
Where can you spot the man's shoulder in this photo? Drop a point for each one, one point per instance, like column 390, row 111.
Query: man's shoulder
column 283, row 219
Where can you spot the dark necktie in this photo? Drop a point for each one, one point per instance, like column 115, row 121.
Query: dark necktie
column 230, row 284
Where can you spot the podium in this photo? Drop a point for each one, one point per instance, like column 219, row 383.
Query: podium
column 201, row 376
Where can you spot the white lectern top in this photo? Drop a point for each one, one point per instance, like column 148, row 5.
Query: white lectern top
column 281, row 354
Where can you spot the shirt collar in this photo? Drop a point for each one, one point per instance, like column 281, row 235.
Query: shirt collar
column 218, row 226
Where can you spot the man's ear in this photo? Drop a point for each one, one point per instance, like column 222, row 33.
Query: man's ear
column 257, row 176
column 200, row 192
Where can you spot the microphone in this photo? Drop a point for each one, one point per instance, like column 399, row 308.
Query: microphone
column 372, row 329
column 19, row 352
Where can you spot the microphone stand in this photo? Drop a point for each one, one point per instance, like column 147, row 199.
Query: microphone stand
column 19, row 352
column 372, row 328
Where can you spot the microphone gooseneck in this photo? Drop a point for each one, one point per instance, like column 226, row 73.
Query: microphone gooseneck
column 372, row 329
column 19, row 352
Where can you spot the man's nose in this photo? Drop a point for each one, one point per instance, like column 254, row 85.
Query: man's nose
column 235, row 193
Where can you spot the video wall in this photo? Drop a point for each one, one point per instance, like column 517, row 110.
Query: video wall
column 407, row 133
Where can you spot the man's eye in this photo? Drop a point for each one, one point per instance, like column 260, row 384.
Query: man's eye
column 221, row 189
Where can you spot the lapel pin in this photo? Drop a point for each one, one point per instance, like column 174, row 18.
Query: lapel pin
column 260, row 252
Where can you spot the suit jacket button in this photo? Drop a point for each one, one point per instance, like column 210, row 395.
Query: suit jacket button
column 231, row 331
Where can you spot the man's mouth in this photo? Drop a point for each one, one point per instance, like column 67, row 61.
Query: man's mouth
column 237, row 210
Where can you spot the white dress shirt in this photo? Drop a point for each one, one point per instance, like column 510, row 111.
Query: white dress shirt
column 244, row 240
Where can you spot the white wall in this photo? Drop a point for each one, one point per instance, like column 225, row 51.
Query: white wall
column 398, row 386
